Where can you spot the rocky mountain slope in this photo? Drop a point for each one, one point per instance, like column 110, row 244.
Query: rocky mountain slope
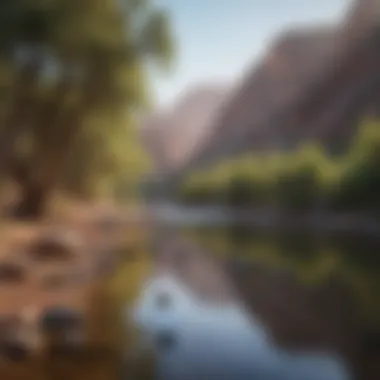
column 174, row 135
column 312, row 84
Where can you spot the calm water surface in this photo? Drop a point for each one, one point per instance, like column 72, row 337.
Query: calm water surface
column 196, row 340
column 313, row 259
column 206, row 342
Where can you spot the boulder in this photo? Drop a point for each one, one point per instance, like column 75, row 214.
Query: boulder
column 12, row 272
column 19, row 335
column 58, row 245
column 61, row 319
column 108, row 223
column 7, row 324
column 52, row 281
column 73, row 344
column 79, row 276
column 14, row 350
column 105, row 262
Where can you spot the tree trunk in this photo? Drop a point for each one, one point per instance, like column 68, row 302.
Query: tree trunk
column 35, row 185
column 52, row 151
column 20, row 112
column 41, row 180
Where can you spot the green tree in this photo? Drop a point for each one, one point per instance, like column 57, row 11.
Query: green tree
column 79, row 87
column 359, row 186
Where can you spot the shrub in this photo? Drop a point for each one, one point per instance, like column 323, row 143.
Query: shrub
column 301, row 180
column 298, row 188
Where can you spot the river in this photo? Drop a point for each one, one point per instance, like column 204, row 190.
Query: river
column 195, row 338
column 200, row 341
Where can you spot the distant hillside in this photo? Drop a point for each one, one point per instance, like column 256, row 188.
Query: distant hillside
column 289, row 66
column 174, row 135
column 313, row 84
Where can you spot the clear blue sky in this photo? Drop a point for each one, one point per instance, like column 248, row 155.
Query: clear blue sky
column 218, row 40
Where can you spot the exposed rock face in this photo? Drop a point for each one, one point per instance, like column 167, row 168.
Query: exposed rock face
column 312, row 85
column 292, row 62
column 173, row 136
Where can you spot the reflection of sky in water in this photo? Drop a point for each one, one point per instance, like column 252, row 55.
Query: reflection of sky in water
column 220, row 343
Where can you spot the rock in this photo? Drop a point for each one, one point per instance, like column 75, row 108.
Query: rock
column 61, row 319
column 61, row 245
column 12, row 272
column 78, row 277
column 19, row 335
column 14, row 350
column 172, row 137
column 58, row 280
column 298, row 93
column 65, row 349
column 7, row 324
column 108, row 223
column 72, row 344
column 63, row 330
column 105, row 262
column 53, row 281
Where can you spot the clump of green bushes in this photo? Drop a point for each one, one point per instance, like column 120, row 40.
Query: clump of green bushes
column 306, row 179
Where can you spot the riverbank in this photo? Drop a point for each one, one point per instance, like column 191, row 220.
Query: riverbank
column 323, row 222
column 70, row 266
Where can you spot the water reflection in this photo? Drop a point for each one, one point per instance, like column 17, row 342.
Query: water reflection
column 163, row 301
column 195, row 340
column 312, row 258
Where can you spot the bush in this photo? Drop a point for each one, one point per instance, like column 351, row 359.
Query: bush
column 239, row 191
column 298, row 189
column 358, row 187
column 302, row 180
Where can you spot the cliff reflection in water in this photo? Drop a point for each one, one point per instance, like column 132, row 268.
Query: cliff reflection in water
column 311, row 290
column 197, row 340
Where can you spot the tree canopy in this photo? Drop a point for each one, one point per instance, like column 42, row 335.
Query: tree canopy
column 74, row 77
